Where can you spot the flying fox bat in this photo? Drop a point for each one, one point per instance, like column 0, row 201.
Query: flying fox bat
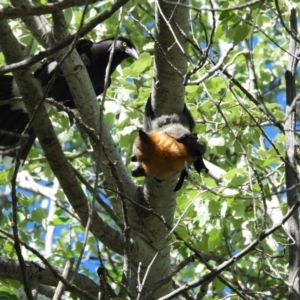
column 167, row 146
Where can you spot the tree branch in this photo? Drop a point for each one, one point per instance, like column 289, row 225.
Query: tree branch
column 290, row 165
column 50, row 276
column 26, row 11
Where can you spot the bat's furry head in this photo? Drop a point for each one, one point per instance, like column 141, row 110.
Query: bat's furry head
column 155, row 122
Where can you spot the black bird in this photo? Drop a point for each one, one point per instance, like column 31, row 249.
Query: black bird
column 95, row 56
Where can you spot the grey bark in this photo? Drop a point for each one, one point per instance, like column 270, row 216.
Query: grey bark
column 290, row 166
column 170, row 66
column 10, row 269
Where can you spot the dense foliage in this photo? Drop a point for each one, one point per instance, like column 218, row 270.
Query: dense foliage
column 235, row 89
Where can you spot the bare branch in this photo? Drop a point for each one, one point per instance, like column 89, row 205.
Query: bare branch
column 66, row 274
column 26, row 11
column 237, row 7
column 48, row 274
column 214, row 69
column 25, row 279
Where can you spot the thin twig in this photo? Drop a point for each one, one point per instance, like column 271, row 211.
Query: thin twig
column 26, row 11
column 66, row 273
column 237, row 7
column 14, row 224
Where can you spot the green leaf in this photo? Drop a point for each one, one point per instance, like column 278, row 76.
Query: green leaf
column 238, row 209
column 183, row 233
column 236, row 177
column 8, row 248
column 110, row 119
column 7, row 296
column 3, row 177
column 68, row 13
column 58, row 220
column 38, row 214
column 192, row 89
column 240, row 32
column 214, row 207
column 214, row 239
column 144, row 62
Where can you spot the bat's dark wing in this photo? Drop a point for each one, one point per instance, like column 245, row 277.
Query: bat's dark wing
column 196, row 150
column 194, row 147
column 184, row 174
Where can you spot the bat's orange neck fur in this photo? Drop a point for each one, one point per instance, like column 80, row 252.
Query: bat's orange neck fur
column 162, row 156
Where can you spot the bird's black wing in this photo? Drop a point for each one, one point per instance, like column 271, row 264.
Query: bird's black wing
column 13, row 120
column 6, row 87
column 83, row 44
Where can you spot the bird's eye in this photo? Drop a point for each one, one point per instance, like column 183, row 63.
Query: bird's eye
column 124, row 44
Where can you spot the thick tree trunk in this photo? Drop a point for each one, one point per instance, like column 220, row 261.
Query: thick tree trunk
column 291, row 174
column 170, row 65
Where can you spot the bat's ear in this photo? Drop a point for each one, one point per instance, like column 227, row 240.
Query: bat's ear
column 144, row 136
column 133, row 158
column 190, row 122
column 138, row 171
column 149, row 115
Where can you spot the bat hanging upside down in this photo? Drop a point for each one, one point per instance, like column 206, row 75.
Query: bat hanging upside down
column 167, row 146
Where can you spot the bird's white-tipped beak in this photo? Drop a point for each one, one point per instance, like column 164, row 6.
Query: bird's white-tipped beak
column 132, row 53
